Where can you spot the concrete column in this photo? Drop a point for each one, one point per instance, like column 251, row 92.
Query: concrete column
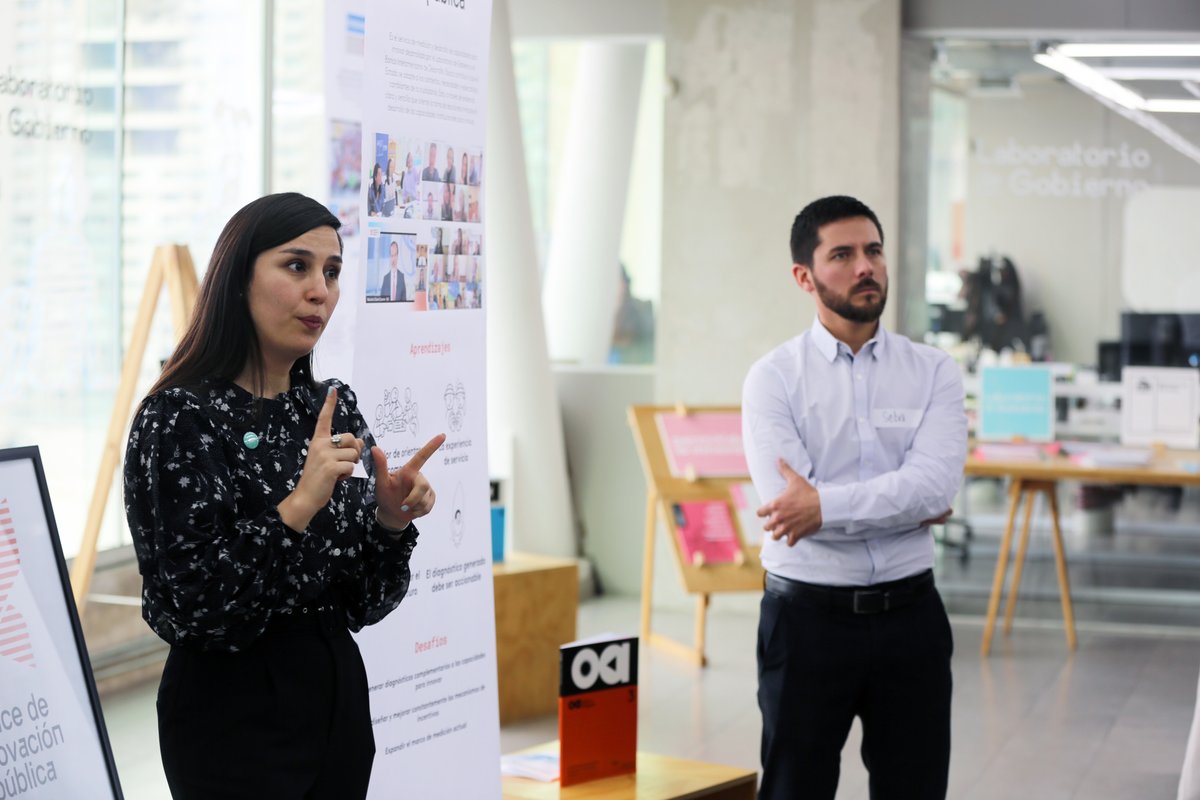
column 582, row 275
column 908, row 283
column 524, row 422
column 776, row 103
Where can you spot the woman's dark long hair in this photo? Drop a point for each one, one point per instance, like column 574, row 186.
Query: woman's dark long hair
column 220, row 340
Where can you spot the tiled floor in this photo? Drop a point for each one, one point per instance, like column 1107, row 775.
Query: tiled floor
column 1031, row 722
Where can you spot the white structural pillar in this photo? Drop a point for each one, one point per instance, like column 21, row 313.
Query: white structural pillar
column 523, row 412
column 582, row 273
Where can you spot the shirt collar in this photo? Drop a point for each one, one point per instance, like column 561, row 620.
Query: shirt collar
column 829, row 347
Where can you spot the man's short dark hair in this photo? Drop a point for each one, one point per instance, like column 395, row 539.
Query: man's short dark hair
column 822, row 212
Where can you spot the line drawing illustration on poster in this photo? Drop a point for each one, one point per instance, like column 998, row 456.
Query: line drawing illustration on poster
column 456, row 406
column 459, row 524
column 394, row 416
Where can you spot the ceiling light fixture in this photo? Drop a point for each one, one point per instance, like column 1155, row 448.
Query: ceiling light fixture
column 1088, row 78
column 1129, row 50
column 1102, row 84
column 1119, row 99
column 1170, row 106
column 1150, row 73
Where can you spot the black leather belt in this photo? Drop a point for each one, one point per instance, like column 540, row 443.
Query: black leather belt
column 854, row 599
column 326, row 618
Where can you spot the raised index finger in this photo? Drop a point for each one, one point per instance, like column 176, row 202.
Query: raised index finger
column 422, row 455
column 324, row 427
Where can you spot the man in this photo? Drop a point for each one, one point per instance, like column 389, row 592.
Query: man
column 858, row 437
column 450, row 175
column 474, row 177
column 430, row 173
column 393, row 286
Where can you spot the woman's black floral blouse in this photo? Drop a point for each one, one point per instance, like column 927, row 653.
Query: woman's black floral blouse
column 217, row 561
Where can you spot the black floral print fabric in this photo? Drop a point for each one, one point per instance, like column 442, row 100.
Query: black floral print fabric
column 217, row 561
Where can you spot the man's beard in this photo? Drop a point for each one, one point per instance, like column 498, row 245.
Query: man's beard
column 845, row 308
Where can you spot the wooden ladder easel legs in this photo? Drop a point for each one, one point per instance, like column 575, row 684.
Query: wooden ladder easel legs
column 171, row 264
column 695, row 653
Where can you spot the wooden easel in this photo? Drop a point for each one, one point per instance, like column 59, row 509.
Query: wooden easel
column 171, row 263
column 664, row 489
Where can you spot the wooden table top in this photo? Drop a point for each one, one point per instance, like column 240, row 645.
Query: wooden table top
column 1166, row 468
column 515, row 563
column 657, row 778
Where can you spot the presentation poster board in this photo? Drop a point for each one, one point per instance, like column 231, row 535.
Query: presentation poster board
column 1016, row 403
column 53, row 742
column 420, row 370
column 1160, row 405
column 703, row 444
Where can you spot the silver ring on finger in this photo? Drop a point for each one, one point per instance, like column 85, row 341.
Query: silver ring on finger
column 336, row 440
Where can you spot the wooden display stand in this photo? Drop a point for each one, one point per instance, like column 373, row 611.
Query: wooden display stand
column 664, row 489
column 657, row 778
column 172, row 264
column 537, row 598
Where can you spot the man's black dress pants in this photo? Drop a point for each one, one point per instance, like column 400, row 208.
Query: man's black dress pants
column 827, row 655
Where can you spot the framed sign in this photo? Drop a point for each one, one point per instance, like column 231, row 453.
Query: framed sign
column 53, row 742
column 1016, row 403
column 707, row 444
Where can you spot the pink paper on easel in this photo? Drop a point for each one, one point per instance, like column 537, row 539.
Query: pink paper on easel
column 710, row 443
column 705, row 527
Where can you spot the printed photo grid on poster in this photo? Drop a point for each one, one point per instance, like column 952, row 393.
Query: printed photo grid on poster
column 434, row 259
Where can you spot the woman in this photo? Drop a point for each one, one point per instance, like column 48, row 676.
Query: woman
column 258, row 550
column 447, row 204
column 376, row 192
column 461, row 214
column 410, row 182
column 391, row 181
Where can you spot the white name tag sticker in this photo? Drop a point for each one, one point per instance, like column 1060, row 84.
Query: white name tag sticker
column 897, row 417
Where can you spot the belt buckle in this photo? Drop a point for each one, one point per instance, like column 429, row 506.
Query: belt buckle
column 870, row 601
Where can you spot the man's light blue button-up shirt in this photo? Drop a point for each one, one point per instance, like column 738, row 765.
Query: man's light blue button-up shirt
column 882, row 435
